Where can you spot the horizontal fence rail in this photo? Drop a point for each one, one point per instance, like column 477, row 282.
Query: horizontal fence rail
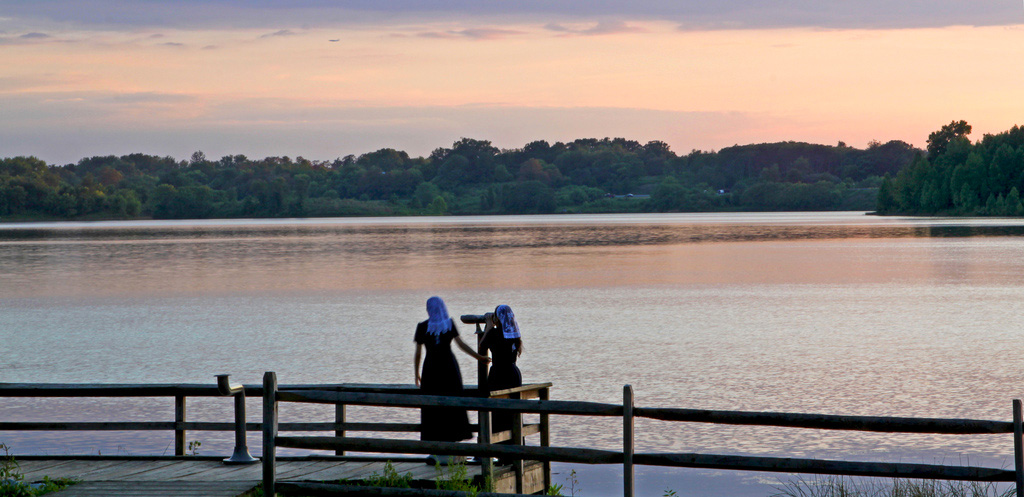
column 417, row 401
column 107, row 390
column 203, row 426
column 201, row 389
column 829, row 422
column 826, row 467
column 568, row 454
column 707, row 461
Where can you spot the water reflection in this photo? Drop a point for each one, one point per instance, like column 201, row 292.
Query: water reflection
column 510, row 235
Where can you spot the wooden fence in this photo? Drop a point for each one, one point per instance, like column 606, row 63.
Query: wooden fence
column 628, row 457
column 179, row 392
column 487, row 445
column 340, row 426
column 506, row 444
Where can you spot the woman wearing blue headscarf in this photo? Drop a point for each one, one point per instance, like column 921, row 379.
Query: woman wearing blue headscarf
column 441, row 374
column 505, row 343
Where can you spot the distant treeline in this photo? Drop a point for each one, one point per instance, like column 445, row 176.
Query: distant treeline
column 470, row 177
column 960, row 178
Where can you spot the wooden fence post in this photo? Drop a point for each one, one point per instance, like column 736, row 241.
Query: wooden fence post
column 269, row 433
column 545, row 436
column 484, row 438
column 339, row 417
column 483, row 417
column 627, row 441
column 1018, row 447
column 517, row 439
column 179, row 425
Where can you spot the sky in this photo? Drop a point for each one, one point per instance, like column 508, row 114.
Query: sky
column 324, row 79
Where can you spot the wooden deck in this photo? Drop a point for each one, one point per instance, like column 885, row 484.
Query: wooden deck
column 196, row 477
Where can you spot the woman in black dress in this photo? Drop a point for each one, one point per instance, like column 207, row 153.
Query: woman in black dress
column 441, row 374
column 503, row 340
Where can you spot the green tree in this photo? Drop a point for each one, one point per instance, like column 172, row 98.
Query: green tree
column 968, row 200
column 1013, row 203
column 529, row 197
column 438, row 206
column 425, row 194
column 939, row 140
column 886, row 203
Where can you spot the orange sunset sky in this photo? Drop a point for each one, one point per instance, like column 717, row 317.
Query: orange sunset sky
column 323, row 79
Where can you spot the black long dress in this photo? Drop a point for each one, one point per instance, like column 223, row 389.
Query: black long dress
column 503, row 373
column 441, row 376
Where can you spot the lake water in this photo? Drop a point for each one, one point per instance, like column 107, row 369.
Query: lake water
column 836, row 313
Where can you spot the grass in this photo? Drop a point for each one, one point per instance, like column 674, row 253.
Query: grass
column 451, row 477
column 13, row 484
column 455, row 478
column 388, row 478
column 842, row 486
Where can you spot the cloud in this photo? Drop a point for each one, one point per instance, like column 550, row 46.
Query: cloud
column 172, row 44
column 601, row 28
column 26, row 38
column 145, row 97
column 554, row 26
column 54, row 106
column 27, row 83
column 161, row 124
column 613, row 27
column 474, row 33
column 436, row 34
column 280, row 32
column 487, row 33
column 689, row 14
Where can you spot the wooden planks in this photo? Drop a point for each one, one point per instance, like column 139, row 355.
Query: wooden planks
column 211, row 478
column 157, row 489
column 196, row 470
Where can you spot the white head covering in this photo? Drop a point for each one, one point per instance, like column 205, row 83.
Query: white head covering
column 438, row 320
column 509, row 326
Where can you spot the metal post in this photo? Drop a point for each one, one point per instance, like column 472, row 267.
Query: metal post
column 241, row 453
column 627, row 440
column 269, row 433
column 1018, row 447
column 179, row 425
column 481, row 367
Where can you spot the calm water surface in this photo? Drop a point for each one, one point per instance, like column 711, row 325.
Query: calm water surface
column 836, row 313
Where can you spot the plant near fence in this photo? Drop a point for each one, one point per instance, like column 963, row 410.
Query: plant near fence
column 389, row 477
column 456, row 477
column 844, row 486
column 12, row 481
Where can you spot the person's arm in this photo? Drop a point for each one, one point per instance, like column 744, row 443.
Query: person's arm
column 416, row 362
column 466, row 348
column 488, row 325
